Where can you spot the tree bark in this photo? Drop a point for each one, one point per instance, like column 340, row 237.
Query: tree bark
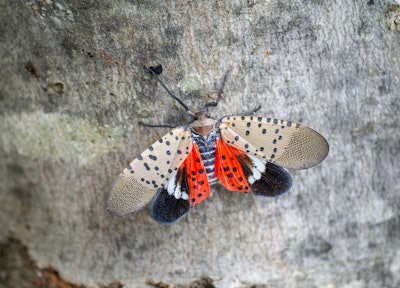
column 73, row 90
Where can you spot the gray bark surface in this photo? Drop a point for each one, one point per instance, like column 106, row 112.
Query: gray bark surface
column 73, row 89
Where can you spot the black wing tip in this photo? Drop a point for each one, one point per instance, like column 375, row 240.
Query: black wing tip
column 164, row 219
column 274, row 182
column 166, row 209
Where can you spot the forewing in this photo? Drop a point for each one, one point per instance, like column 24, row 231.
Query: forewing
column 139, row 182
column 228, row 169
column 285, row 143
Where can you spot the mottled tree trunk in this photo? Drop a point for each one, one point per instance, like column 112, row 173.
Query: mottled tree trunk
column 73, row 90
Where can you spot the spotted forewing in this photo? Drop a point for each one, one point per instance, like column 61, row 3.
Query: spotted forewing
column 137, row 185
column 285, row 143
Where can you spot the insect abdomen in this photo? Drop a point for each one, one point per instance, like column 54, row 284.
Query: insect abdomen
column 207, row 154
column 207, row 150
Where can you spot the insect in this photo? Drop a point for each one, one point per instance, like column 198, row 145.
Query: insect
column 245, row 153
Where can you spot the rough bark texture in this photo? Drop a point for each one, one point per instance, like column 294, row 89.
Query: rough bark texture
column 72, row 91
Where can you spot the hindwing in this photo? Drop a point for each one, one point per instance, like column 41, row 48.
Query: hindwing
column 186, row 188
column 265, row 178
column 172, row 201
column 243, row 172
column 199, row 187
column 228, row 168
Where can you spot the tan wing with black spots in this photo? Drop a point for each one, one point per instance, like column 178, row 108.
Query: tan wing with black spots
column 139, row 182
column 286, row 143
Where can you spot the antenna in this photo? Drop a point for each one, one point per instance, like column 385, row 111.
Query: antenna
column 155, row 71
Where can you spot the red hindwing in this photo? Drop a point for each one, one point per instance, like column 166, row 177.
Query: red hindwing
column 228, row 169
column 196, row 177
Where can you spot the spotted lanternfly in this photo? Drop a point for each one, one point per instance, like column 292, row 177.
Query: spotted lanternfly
column 245, row 153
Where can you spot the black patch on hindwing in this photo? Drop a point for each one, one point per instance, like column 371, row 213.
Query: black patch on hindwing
column 165, row 208
column 273, row 182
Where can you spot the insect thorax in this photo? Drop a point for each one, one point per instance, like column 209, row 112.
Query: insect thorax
column 207, row 147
